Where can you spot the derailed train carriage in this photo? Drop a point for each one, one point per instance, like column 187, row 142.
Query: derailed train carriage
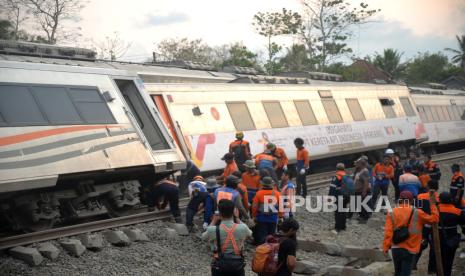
column 76, row 142
column 337, row 120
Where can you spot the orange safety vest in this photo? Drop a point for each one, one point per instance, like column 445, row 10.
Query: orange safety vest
column 424, row 179
column 280, row 154
column 399, row 218
column 251, row 181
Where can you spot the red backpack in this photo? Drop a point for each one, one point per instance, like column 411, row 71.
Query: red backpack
column 265, row 260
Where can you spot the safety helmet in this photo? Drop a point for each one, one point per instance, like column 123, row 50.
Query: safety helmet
column 389, row 151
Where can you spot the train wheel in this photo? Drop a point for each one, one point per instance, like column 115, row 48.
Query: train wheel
column 25, row 224
column 115, row 211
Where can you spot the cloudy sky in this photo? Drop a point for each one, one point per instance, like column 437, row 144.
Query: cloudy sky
column 411, row 26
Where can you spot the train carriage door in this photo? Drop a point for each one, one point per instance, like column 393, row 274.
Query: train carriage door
column 142, row 114
column 165, row 115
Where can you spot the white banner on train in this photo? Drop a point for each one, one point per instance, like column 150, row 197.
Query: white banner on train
column 320, row 140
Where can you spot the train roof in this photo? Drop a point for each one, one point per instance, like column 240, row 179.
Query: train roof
column 435, row 90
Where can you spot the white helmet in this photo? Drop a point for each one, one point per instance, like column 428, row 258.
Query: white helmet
column 389, row 151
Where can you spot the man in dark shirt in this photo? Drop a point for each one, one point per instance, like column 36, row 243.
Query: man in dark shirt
column 287, row 247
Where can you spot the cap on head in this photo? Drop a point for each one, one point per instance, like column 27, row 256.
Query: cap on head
column 271, row 146
column 389, row 151
column 362, row 161
column 407, row 168
column 232, row 181
column 267, row 181
column 228, row 156
column 198, row 178
column 340, row 166
column 406, row 195
column 249, row 164
column 211, row 183
column 445, row 198
column 239, row 135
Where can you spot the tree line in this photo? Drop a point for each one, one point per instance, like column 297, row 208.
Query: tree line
column 320, row 34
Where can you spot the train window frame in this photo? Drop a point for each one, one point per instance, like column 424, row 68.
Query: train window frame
column 441, row 117
column 434, row 112
column 44, row 101
column 100, row 101
column 275, row 114
column 446, row 114
column 407, row 106
column 307, row 117
column 47, row 121
column 452, row 113
column 33, row 107
column 428, row 113
column 354, row 105
column 233, row 116
column 329, row 103
column 386, row 105
column 422, row 113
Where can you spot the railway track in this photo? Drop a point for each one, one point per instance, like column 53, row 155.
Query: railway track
column 314, row 182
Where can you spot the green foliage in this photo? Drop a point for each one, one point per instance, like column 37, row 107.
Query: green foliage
column 5, row 29
column 272, row 24
column 329, row 25
column 296, row 59
column 389, row 61
column 427, row 67
column 239, row 55
column 173, row 49
column 459, row 57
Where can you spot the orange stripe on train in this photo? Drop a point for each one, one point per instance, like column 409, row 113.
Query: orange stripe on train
column 14, row 139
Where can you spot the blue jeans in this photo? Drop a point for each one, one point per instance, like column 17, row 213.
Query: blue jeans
column 263, row 230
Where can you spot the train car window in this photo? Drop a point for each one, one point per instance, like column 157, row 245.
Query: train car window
column 240, row 115
column 446, row 113
column 355, row 110
column 453, row 115
column 18, row 107
column 458, row 111
column 435, row 114
column 421, row 111
column 408, row 109
column 56, row 105
column 275, row 114
column 332, row 111
column 91, row 106
column 429, row 114
column 305, row 111
column 441, row 116
column 387, row 108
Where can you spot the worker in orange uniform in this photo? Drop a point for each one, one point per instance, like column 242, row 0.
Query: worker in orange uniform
column 432, row 168
column 383, row 174
column 302, row 166
column 424, row 179
column 404, row 249
column 423, row 203
column 451, row 218
column 281, row 158
column 240, row 148
column 266, row 162
column 266, row 210
column 231, row 167
column 242, row 189
column 456, row 184
column 251, row 179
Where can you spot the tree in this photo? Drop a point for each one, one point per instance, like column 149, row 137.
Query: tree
column 5, row 29
column 175, row 49
column 17, row 13
column 50, row 15
column 427, row 67
column 112, row 47
column 239, row 55
column 389, row 61
column 273, row 24
column 459, row 57
column 296, row 58
column 329, row 24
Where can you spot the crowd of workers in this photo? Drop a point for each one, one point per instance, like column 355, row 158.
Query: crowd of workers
column 233, row 205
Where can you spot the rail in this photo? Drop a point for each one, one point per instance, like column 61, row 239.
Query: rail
column 314, row 182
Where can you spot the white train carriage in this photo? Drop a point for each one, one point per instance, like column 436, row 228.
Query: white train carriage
column 443, row 115
column 76, row 142
column 334, row 118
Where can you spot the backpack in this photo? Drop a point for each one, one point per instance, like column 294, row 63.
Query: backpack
column 228, row 263
column 265, row 259
column 347, row 185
